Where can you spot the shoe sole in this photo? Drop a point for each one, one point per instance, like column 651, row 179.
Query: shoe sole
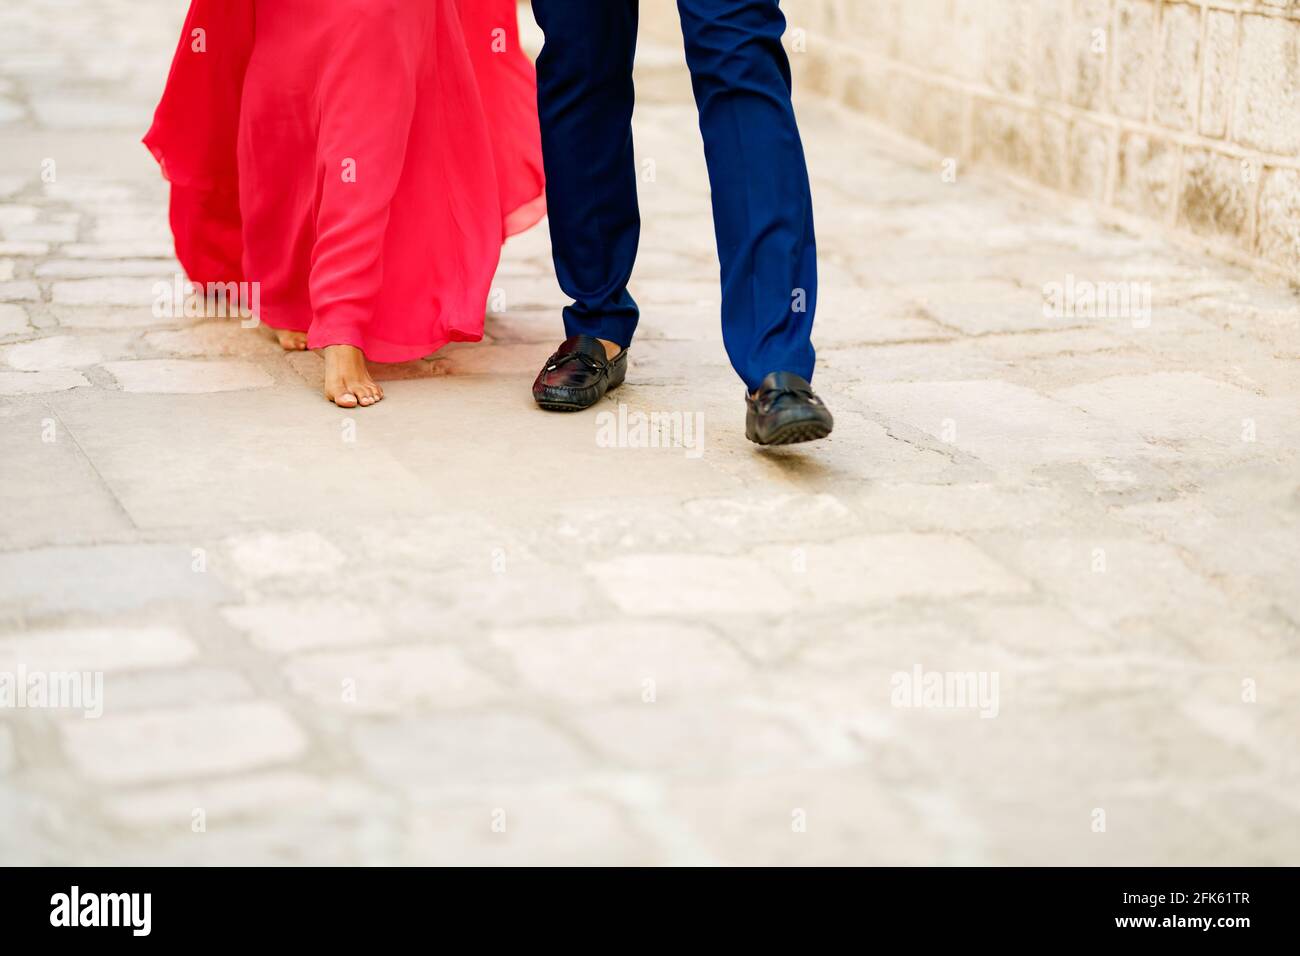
column 562, row 407
column 796, row 433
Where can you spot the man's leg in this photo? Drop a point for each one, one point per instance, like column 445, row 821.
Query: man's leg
column 762, row 203
column 585, row 98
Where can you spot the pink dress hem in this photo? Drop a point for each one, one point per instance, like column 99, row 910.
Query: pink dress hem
column 361, row 162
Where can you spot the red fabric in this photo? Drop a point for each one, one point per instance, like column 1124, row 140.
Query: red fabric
column 362, row 160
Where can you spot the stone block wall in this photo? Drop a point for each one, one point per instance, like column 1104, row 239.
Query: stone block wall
column 1182, row 113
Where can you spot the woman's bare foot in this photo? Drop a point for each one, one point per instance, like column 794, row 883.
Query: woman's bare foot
column 292, row 341
column 347, row 381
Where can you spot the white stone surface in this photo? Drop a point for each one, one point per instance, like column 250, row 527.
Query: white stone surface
column 39, row 232
column 15, row 214
column 130, row 292
column 36, row 383
column 99, row 316
column 889, row 567
column 291, row 626
column 366, row 637
column 180, row 377
column 13, row 320
column 670, row 584
column 1003, row 424
column 223, row 800
column 24, row 249
column 154, row 249
column 19, row 290
column 156, row 269
column 182, row 743
column 8, row 753
column 96, row 649
column 646, row 661
column 391, row 680
column 264, row 555
column 54, row 352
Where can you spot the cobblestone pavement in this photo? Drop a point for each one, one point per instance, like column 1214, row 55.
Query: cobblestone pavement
column 455, row 629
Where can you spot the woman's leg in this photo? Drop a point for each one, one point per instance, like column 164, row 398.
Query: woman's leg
column 367, row 98
column 276, row 179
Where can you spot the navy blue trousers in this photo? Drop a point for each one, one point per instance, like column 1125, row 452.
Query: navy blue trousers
column 762, row 204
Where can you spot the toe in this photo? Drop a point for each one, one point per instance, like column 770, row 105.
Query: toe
column 345, row 400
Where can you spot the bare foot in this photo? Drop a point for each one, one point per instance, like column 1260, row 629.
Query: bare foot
column 347, row 381
column 292, row 341
column 610, row 348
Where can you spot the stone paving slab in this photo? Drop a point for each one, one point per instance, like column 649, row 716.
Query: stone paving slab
column 1035, row 601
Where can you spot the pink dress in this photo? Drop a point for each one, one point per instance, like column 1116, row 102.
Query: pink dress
column 361, row 160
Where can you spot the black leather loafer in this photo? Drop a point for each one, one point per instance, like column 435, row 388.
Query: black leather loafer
column 784, row 411
column 578, row 375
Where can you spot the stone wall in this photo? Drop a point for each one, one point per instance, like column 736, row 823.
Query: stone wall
column 1184, row 113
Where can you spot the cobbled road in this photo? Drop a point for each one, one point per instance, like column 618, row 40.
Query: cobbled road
column 1036, row 601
